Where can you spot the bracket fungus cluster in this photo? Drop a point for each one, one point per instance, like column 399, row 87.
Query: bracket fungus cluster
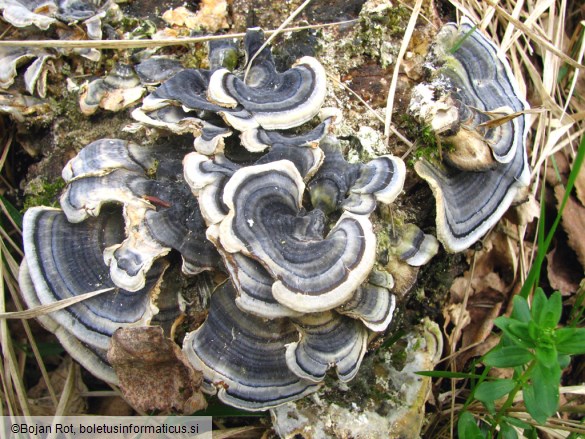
column 481, row 117
column 285, row 217
column 265, row 196
column 30, row 17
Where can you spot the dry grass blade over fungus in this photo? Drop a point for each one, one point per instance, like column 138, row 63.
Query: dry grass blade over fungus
column 360, row 219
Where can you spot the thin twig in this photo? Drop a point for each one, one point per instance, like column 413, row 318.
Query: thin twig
column 394, row 82
column 140, row 44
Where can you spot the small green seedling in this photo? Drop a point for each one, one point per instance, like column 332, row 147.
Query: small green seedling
column 537, row 349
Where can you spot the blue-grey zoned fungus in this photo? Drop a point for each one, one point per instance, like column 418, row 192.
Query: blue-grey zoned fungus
column 480, row 82
column 300, row 297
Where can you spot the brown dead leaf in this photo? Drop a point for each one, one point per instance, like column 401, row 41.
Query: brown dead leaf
column 483, row 309
column 112, row 406
column 573, row 222
column 42, row 405
column 484, row 288
column 154, row 373
column 525, row 210
column 562, row 274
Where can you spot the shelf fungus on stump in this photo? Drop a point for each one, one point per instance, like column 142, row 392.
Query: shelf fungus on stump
column 265, row 221
column 160, row 214
column 285, row 217
column 412, row 245
column 63, row 260
column 44, row 13
column 242, row 356
column 356, row 187
column 481, row 117
column 264, row 100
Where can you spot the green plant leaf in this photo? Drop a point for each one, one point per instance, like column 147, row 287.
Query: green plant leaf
column 539, row 306
column 564, row 361
column 507, row 431
column 532, row 404
column 489, row 391
column 521, row 311
column 541, row 395
column 467, row 427
column 520, row 333
column 547, row 356
column 508, row 356
column 570, row 341
column 516, row 422
column 553, row 311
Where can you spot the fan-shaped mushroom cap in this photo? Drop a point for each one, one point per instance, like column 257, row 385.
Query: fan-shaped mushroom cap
column 207, row 177
column 188, row 88
column 157, row 69
column 20, row 13
column 252, row 282
column 413, row 246
column 258, row 139
column 65, row 260
column 130, row 260
column 355, row 187
column 276, row 100
column 327, row 339
column 43, row 13
column 105, row 155
column 372, row 304
column 12, row 57
column 91, row 358
column 84, row 197
column 160, row 214
column 470, row 203
column 279, row 100
column 306, row 160
column 120, row 88
column 177, row 223
column 249, row 370
column 482, row 81
column 208, row 136
column 265, row 221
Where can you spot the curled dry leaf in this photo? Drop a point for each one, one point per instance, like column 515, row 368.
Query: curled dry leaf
column 153, row 372
column 573, row 222
column 486, row 285
column 563, row 275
